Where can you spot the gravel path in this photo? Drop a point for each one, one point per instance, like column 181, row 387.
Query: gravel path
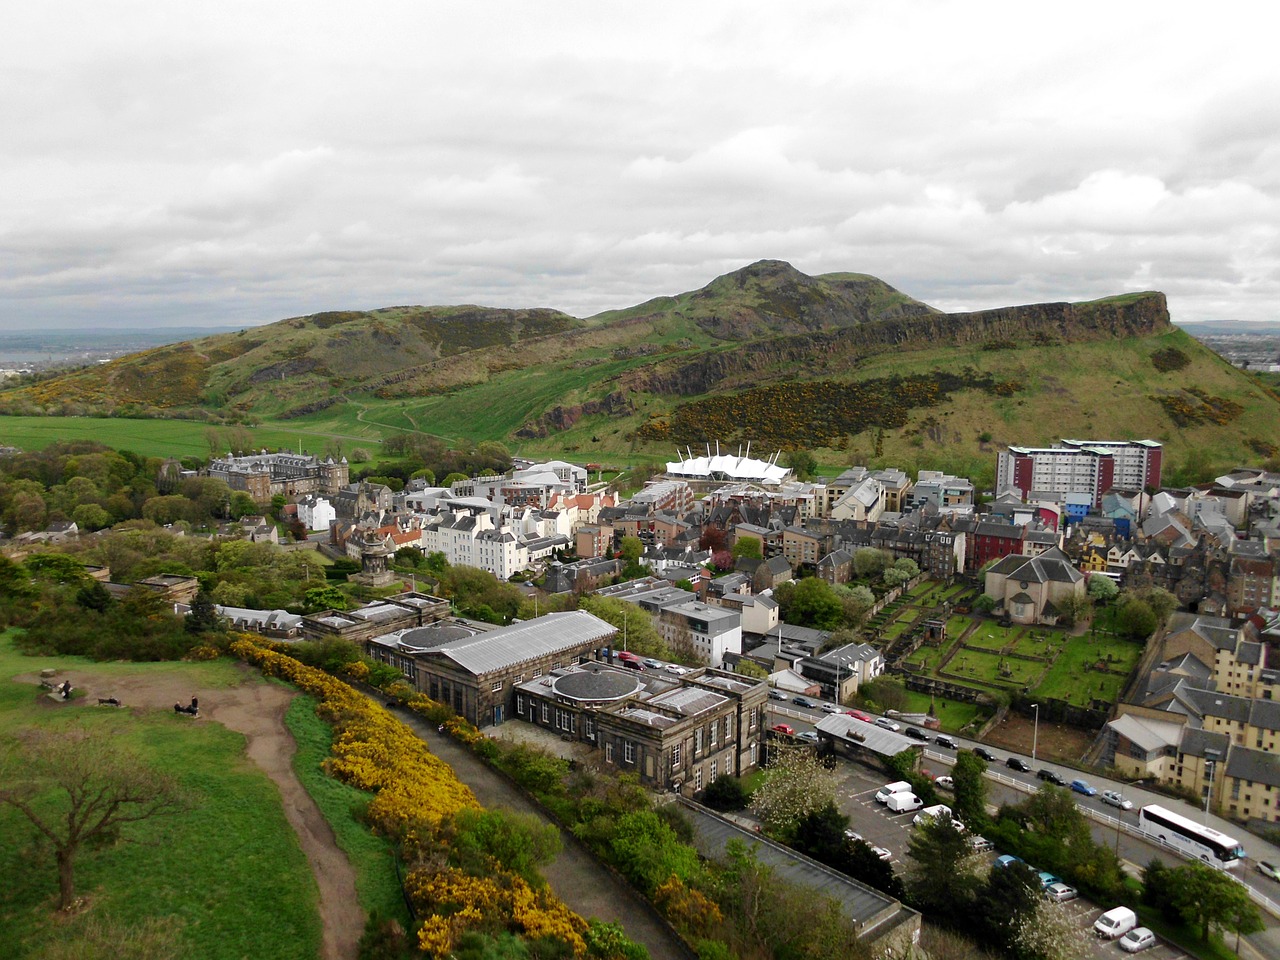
column 582, row 883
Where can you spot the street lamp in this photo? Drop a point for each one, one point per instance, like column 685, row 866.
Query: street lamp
column 1035, row 732
column 1210, row 764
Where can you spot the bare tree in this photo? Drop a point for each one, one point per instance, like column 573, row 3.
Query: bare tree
column 97, row 786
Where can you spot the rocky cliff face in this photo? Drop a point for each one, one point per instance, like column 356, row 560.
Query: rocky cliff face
column 838, row 350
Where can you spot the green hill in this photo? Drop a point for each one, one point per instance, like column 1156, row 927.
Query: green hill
column 841, row 362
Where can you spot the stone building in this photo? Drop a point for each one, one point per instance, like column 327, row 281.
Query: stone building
column 381, row 616
column 292, row 475
column 475, row 671
column 674, row 733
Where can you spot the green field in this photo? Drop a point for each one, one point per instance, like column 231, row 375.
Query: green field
column 1069, row 679
column 984, row 668
column 229, row 868
column 992, row 636
column 953, row 715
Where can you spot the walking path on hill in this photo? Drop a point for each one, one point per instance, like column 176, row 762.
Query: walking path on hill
column 577, row 878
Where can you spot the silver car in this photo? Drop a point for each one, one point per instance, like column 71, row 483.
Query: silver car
column 1116, row 799
column 1139, row 939
column 887, row 724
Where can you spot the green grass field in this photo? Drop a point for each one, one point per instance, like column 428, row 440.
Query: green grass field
column 229, row 869
column 992, row 636
column 984, row 668
column 953, row 715
column 1068, row 679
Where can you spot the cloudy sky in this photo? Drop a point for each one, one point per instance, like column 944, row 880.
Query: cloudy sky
column 235, row 163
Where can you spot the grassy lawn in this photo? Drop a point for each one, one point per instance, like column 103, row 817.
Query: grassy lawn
column 1068, row 679
column 341, row 804
column 229, row 868
column 952, row 714
column 929, row 656
column 991, row 636
column 899, row 626
column 956, row 626
column 1040, row 643
column 979, row 667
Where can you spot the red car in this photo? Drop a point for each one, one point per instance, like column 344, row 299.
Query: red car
column 859, row 715
column 784, row 728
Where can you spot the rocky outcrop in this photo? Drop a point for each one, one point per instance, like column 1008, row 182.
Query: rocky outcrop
column 562, row 418
column 839, row 350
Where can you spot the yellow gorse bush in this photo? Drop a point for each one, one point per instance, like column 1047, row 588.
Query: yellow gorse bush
column 413, row 792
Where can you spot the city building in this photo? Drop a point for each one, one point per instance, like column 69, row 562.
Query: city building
column 291, row 475
column 1091, row 467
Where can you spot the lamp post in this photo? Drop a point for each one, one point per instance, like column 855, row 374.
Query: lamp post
column 1208, row 794
column 1035, row 732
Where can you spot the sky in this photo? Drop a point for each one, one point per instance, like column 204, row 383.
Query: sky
column 170, row 164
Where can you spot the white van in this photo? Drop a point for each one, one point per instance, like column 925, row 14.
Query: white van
column 1116, row 922
column 904, row 803
column 930, row 813
column 889, row 789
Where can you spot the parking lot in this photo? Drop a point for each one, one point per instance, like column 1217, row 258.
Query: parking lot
column 855, row 795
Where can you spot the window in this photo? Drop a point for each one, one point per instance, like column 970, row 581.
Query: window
column 728, row 728
column 546, row 713
column 519, row 704
column 537, row 674
column 713, row 770
column 497, row 685
column 518, row 680
column 753, row 754
column 697, row 741
column 697, row 779
column 715, row 729
column 608, row 753
column 629, row 752
column 675, row 756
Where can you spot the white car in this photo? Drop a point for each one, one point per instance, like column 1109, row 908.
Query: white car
column 1269, row 870
column 937, row 810
column 887, row 724
column 944, row 783
column 883, row 853
column 1139, row 939
column 830, row 708
column 1115, row 799
column 808, row 736
column 678, row 670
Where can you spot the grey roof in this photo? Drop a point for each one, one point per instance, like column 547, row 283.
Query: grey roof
column 1199, row 743
column 1256, row 765
column 1211, row 704
column 689, row 701
column 596, row 682
column 866, row 907
column 1148, row 734
column 521, row 642
column 841, row 726
column 1265, row 714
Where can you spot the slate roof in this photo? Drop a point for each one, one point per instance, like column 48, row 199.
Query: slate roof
column 1256, row 765
column 509, row 646
column 1148, row 734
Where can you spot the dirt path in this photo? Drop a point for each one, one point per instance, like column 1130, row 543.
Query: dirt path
column 256, row 710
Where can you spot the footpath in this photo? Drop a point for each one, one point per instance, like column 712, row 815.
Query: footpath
column 582, row 883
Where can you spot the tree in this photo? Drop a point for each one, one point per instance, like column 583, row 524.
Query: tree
column 893, row 577
column 1010, row 895
column 726, row 792
column 747, row 547
column 795, row 785
column 749, row 668
column 327, row 597
column 1074, row 608
column 1102, row 589
column 631, row 549
column 985, row 603
column 453, row 478
column 803, row 463
column 812, row 603
column 1050, row 932
column 360, row 455
column 1208, row 898
column 907, row 566
column 943, row 873
column 90, row 516
column 885, row 692
column 242, row 505
column 970, row 801
column 1136, row 619
column 869, row 562
column 520, row 842
column 98, row 788
column 203, row 618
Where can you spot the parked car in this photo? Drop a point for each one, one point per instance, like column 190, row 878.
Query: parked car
column 808, row 736
column 944, row 783
column 830, row 708
column 887, row 723
column 1116, row 922
column 889, row 789
column 855, row 837
column 777, row 695
column 633, row 665
column 903, row 803
column 1060, row 892
column 859, row 715
column 652, row 664
column 1139, row 939
column 1116, row 799
column 937, row 810
column 1047, row 774
column 786, row 728
column 1046, row 878
column 884, row 853
column 1007, row 860
column 1017, row 763
column 943, row 740
column 915, row 733
column 1082, row 786
column 980, row 844
column 985, row 754
column 1269, row 870
column 803, row 702
column 678, row 670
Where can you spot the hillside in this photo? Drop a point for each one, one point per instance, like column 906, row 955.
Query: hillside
column 840, row 362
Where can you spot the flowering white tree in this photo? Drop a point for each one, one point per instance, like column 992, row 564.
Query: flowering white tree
column 1051, row 933
column 795, row 785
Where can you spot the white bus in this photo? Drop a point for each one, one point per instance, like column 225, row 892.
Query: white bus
column 1190, row 838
